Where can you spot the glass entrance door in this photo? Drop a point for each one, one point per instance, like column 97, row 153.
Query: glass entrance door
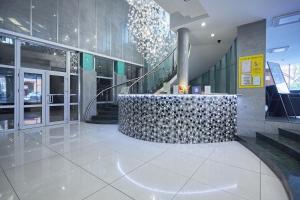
column 56, row 97
column 32, row 98
column 43, row 96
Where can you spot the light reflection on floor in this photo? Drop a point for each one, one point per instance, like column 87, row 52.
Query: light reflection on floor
column 87, row 161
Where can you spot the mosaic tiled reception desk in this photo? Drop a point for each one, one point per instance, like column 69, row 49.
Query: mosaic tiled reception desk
column 178, row 118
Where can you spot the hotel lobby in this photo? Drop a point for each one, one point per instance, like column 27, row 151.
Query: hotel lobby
column 149, row 100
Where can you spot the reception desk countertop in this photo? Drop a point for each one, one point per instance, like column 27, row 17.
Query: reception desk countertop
column 178, row 118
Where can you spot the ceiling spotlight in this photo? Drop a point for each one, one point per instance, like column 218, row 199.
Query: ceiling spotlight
column 212, row 35
column 203, row 24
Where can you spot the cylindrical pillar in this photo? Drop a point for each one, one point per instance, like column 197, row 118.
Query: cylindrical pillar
column 183, row 56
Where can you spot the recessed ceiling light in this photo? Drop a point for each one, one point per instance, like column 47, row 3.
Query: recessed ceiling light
column 278, row 49
column 212, row 35
column 203, row 24
column 286, row 19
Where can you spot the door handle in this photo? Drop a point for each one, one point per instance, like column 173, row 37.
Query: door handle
column 50, row 100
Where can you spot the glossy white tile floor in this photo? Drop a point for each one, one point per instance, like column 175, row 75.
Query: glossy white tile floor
column 96, row 162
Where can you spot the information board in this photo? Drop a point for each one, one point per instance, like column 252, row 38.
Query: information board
column 278, row 78
column 251, row 71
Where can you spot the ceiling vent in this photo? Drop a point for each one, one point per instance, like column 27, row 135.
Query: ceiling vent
column 286, row 19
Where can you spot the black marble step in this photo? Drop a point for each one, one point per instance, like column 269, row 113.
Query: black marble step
column 106, row 117
column 292, row 134
column 108, row 109
column 102, row 121
column 285, row 166
column 107, row 105
column 288, row 145
column 108, row 112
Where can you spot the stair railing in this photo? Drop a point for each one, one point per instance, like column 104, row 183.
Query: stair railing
column 153, row 70
column 88, row 108
column 134, row 80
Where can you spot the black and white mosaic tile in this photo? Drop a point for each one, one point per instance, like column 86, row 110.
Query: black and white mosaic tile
column 179, row 118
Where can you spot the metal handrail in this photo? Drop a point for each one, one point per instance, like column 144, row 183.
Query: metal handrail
column 152, row 70
column 134, row 79
column 101, row 92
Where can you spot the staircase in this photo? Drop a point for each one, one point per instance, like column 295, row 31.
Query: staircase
column 281, row 152
column 107, row 114
column 151, row 81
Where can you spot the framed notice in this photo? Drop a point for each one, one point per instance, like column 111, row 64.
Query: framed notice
column 251, row 71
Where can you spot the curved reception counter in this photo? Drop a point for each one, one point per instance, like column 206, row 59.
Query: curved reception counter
column 179, row 118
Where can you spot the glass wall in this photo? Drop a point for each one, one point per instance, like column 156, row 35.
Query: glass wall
column 283, row 51
column 222, row 77
column 7, row 83
column 99, row 26
column 104, row 69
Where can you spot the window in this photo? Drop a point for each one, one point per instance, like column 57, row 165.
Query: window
column 131, row 73
column 7, row 51
column 292, row 75
column 7, row 86
column 104, row 67
column 42, row 57
column 103, row 83
column 7, row 96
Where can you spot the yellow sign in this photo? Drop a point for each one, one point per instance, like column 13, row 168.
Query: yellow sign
column 251, row 71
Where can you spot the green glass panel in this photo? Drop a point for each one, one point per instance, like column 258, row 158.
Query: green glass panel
column 120, row 67
column 87, row 61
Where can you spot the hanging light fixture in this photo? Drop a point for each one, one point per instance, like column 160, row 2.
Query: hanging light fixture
column 149, row 27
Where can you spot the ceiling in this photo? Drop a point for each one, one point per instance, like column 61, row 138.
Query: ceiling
column 283, row 36
column 222, row 18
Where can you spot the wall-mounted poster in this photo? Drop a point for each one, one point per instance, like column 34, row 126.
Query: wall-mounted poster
column 251, row 71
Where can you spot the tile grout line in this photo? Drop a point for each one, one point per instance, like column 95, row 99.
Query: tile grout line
column 57, row 154
column 220, row 162
column 207, row 159
column 107, row 183
column 188, row 180
column 3, row 171
column 260, row 181
column 110, row 184
column 37, row 160
column 139, row 166
column 61, row 155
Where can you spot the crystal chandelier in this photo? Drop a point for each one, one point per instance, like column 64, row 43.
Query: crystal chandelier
column 149, row 27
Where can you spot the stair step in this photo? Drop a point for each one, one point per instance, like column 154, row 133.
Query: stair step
column 102, row 121
column 108, row 109
column 109, row 117
column 290, row 146
column 286, row 167
column 107, row 112
column 292, row 134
